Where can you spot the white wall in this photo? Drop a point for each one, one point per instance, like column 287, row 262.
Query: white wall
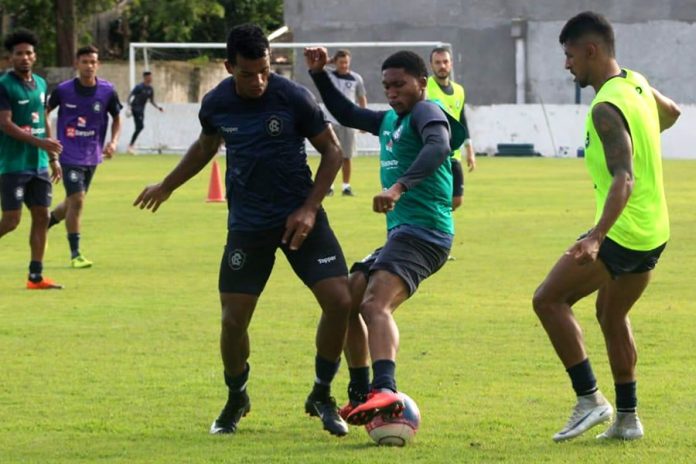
column 553, row 129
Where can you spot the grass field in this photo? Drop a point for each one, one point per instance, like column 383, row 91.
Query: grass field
column 123, row 365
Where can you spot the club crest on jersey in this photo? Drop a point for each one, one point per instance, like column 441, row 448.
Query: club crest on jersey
column 96, row 107
column 274, row 126
column 81, row 122
column 236, row 259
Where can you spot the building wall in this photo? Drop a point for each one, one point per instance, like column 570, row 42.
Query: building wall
column 653, row 36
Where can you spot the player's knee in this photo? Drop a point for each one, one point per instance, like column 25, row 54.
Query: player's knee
column 372, row 312
column 9, row 223
column 76, row 201
column 541, row 303
column 232, row 323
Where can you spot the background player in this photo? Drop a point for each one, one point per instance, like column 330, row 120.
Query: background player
column 264, row 120
column 616, row 256
column 26, row 151
column 84, row 105
column 137, row 100
column 416, row 140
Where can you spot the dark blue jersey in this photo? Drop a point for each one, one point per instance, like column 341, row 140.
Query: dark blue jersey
column 267, row 174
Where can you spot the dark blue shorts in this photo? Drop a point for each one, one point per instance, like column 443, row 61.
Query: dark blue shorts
column 621, row 260
column 457, row 178
column 248, row 258
column 405, row 256
column 77, row 178
column 31, row 189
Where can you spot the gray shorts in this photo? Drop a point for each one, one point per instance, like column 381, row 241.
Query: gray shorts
column 346, row 137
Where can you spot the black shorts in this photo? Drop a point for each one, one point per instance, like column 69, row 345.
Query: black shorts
column 77, row 178
column 408, row 257
column 31, row 189
column 457, row 178
column 621, row 260
column 249, row 256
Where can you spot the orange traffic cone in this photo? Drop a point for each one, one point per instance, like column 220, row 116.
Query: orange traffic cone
column 216, row 192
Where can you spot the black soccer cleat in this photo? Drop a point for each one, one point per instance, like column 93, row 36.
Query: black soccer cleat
column 325, row 408
column 237, row 406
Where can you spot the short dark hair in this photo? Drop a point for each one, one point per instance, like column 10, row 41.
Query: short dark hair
column 147, row 73
column 20, row 36
column 342, row 53
column 588, row 23
column 439, row 50
column 247, row 40
column 86, row 50
column 410, row 62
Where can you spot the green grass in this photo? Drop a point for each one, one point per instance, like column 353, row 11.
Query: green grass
column 123, row 365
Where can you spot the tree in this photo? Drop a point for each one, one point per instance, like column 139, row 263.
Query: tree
column 171, row 21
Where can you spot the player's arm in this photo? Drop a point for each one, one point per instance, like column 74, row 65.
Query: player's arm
column 362, row 101
column 618, row 151
column 114, row 110
column 152, row 100
column 667, row 110
column 52, row 103
column 197, row 156
column 430, row 122
column 345, row 111
column 468, row 145
column 52, row 146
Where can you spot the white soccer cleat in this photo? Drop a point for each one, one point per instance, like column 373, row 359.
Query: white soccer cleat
column 589, row 411
column 627, row 426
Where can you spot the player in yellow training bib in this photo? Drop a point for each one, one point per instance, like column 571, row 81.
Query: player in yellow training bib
column 631, row 227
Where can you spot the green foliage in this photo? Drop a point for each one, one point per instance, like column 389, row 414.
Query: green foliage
column 38, row 16
column 171, row 21
column 123, row 366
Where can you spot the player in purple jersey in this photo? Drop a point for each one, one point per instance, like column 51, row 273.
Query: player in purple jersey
column 84, row 105
column 264, row 120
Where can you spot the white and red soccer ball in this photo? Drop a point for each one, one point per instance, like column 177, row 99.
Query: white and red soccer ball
column 396, row 431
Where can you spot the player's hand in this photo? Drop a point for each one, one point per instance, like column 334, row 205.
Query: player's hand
column 385, row 201
column 109, row 150
column 52, row 146
column 316, row 58
column 152, row 197
column 470, row 158
column 585, row 250
column 56, row 171
column 298, row 226
column 161, row 109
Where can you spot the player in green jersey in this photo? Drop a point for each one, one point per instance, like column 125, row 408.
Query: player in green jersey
column 416, row 138
column 631, row 228
column 26, row 151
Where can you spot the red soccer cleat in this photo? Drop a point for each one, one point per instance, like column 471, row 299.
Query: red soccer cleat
column 379, row 402
column 43, row 284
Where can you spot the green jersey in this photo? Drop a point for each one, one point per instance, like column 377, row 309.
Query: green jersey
column 644, row 223
column 429, row 203
column 26, row 102
column 453, row 104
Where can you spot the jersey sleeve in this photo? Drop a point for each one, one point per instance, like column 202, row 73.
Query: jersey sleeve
column 203, row 117
column 5, row 104
column 360, row 87
column 426, row 113
column 114, row 106
column 53, row 99
column 311, row 120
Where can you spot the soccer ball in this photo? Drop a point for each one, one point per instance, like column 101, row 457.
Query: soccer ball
column 396, row 431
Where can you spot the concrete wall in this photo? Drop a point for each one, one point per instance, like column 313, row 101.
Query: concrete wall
column 555, row 130
column 653, row 36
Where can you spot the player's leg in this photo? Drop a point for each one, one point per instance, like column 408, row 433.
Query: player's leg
column 9, row 220
column 457, row 183
column 320, row 263
column 614, row 301
column 401, row 265
column 139, row 120
column 37, row 197
column 77, row 180
column 566, row 283
column 349, row 150
column 244, row 270
column 11, row 198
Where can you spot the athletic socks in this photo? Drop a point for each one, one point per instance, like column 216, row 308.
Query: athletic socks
column 626, row 399
column 238, row 384
column 74, row 240
column 359, row 385
column 35, row 270
column 383, row 372
column 582, row 378
column 325, row 371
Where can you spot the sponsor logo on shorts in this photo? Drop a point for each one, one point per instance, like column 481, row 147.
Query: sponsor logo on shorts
column 327, row 260
column 274, row 126
column 19, row 193
column 236, row 259
column 229, row 130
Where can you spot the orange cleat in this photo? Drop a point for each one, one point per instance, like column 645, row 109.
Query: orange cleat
column 379, row 402
column 43, row 284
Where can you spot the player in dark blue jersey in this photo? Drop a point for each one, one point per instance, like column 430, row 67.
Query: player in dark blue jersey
column 273, row 203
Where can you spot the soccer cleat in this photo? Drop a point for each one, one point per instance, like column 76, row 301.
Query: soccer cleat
column 626, row 426
column 80, row 262
column 379, row 402
column 131, row 150
column 347, row 192
column 237, row 406
column 43, row 284
column 325, row 408
column 589, row 411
